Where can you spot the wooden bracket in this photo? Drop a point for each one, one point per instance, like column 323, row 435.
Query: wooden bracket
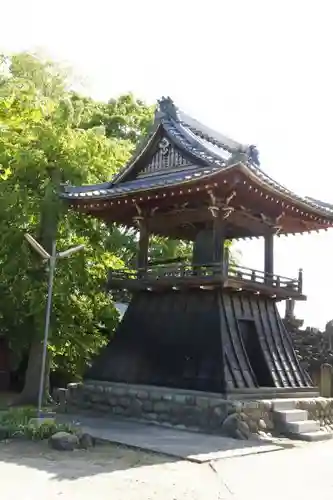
column 139, row 218
column 273, row 223
column 221, row 207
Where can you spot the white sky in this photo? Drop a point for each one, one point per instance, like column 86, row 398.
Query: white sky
column 258, row 71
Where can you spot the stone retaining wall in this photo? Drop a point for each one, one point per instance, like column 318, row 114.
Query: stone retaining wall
column 320, row 409
column 187, row 409
column 184, row 409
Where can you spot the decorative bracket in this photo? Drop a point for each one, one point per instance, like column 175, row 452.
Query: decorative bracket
column 217, row 207
column 273, row 223
column 214, row 208
column 139, row 218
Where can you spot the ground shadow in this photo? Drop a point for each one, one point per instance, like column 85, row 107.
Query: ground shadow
column 135, row 444
column 61, row 465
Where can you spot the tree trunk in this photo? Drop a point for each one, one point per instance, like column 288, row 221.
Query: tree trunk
column 29, row 394
column 50, row 212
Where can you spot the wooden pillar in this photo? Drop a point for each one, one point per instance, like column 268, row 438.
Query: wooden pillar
column 218, row 240
column 269, row 255
column 143, row 247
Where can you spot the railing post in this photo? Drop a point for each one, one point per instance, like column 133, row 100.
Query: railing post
column 300, row 280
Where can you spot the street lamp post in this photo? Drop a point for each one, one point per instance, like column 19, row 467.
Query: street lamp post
column 52, row 260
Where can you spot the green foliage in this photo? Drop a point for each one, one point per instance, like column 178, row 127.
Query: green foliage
column 42, row 145
column 124, row 118
column 16, row 423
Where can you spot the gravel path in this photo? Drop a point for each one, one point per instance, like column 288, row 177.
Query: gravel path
column 31, row 471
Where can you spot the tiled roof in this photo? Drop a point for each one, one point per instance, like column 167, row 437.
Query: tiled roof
column 209, row 149
column 110, row 190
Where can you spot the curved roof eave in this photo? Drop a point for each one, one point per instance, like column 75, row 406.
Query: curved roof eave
column 107, row 191
column 278, row 189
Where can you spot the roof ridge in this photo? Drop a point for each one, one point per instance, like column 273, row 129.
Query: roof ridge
column 166, row 106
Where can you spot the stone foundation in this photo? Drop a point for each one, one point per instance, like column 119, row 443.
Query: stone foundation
column 185, row 409
column 180, row 408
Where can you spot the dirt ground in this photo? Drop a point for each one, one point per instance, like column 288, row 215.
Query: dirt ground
column 33, row 471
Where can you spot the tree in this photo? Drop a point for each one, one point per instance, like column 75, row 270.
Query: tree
column 42, row 145
column 125, row 118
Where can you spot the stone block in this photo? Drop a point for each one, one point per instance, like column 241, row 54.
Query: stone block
column 163, row 417
column 161, row 407
column 89, row 387
column 147, row 406
column 124, row 401
column 112, row 400
column 155, row 396
column 101, row 407
column 202, row 402
column 143, row 395
column 253, row 426
column 118, row 410
column 190, row 400
column 119, row 391
column 108, row 389
column 86, row 441
column 167, row 397
column 181, row 427
column 151, row 416
column 96, row 398
column 262, row 425
column 64, row 441
column 219, row 412
column 135, row 408
column 180, row 398
column 86, row 405
column 216, row 402
column 132, row 392
column 234, row 427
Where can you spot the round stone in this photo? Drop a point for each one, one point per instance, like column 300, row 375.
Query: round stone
column 253, row 425
column 64, row 441
column 262, row 425
column 244, row 429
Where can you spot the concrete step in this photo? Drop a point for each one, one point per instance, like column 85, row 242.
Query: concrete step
column 304, row 426
column 290, row 415
column 283, row 404
column 310, row 436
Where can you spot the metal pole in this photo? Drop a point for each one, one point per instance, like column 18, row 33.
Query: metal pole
column 52, row 264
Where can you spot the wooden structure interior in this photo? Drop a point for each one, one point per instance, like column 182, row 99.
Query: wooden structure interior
column 204, row 323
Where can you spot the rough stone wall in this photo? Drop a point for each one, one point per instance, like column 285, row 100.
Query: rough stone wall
column 180, row 408
column 320, row 409
column 313, row 347
column 187, row 409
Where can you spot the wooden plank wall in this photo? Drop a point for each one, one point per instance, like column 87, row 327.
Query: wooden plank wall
column 274, row 340
column 167, row 339
column 192, row 340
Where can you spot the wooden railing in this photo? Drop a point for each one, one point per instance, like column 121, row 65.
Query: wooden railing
column 245, row 274
column 177, row 271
